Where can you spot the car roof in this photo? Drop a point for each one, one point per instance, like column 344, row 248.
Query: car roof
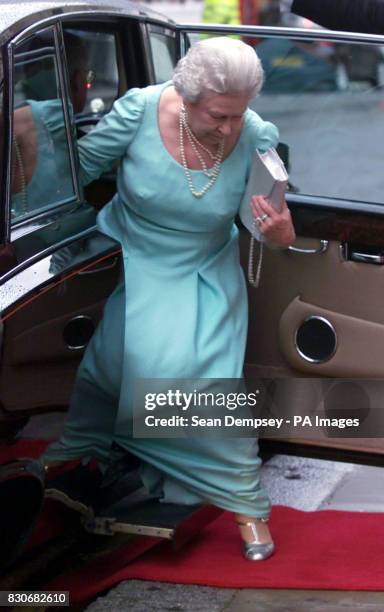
column 15, row 16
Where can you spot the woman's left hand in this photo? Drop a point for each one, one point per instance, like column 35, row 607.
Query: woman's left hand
column 276, row 227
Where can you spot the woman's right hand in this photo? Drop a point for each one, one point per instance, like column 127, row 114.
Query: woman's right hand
column 276, row 227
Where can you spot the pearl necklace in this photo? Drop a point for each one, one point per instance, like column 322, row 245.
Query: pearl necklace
column 211, row 173
column 193, row 140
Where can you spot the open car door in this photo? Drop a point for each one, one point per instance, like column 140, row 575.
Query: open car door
column 56, row 269
column 316, row 322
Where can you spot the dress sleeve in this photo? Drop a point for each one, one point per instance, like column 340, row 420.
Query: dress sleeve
column 264, row 134
column 110, row 139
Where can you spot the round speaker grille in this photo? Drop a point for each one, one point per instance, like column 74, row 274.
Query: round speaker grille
column 316, row 340
column 78, row 332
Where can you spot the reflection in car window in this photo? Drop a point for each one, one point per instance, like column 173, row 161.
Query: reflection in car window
column 41, row 171
column 102, row 77
column 163, row 48
column 293, row 67
column 1, row 127
column 327, row 99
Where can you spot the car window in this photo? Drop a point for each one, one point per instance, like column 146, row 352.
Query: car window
column 163, row 47
column 98, row 51
column 327, row 100
column 41, row 169
column 1, row 131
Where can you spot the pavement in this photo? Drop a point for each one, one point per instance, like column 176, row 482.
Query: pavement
column 140, row 596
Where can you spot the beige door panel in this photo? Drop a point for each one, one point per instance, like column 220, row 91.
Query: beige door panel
column 328, row 398
column 359, row 343
column 326, row 281
column 294, row 286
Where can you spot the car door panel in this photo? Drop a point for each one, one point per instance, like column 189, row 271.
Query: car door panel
column 56, row 270
column 358, row 350
column 348, row 295
column 332, row 130
column 46, row 341
column 61, row 272
column 47, row 329
column 297, row 286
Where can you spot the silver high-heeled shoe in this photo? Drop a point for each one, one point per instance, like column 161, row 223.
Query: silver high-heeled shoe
column 255, row 550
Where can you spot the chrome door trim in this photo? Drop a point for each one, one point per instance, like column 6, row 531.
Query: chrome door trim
column 66, row 98
column 37, row 276
column 5, row 215
column 148, row 59
column 43, row 254
column 283, row 32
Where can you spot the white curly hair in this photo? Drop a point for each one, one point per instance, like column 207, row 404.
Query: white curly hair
column 222, row 65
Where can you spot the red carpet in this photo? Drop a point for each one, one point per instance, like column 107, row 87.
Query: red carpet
column 20, row 449
column 315, row 550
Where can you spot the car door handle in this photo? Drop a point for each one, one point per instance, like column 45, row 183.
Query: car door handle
column 322, row 248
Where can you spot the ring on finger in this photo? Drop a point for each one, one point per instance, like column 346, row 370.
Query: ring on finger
column 263, row 217
column 258, row 220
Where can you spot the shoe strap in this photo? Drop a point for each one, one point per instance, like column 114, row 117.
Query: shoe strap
column 253, row 528
column 254, row 522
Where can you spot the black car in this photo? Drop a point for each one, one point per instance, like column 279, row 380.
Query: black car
column 316, row 324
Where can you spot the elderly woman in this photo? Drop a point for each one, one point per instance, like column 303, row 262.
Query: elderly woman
column 185, row 149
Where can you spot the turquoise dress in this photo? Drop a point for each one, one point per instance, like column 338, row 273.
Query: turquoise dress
column 181, row 311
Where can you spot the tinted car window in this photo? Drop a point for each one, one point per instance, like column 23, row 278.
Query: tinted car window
column 328, row 104
column 1, row 130
column 163, row 46
column 327, row 100
column 100, row 69
column 41, row 170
